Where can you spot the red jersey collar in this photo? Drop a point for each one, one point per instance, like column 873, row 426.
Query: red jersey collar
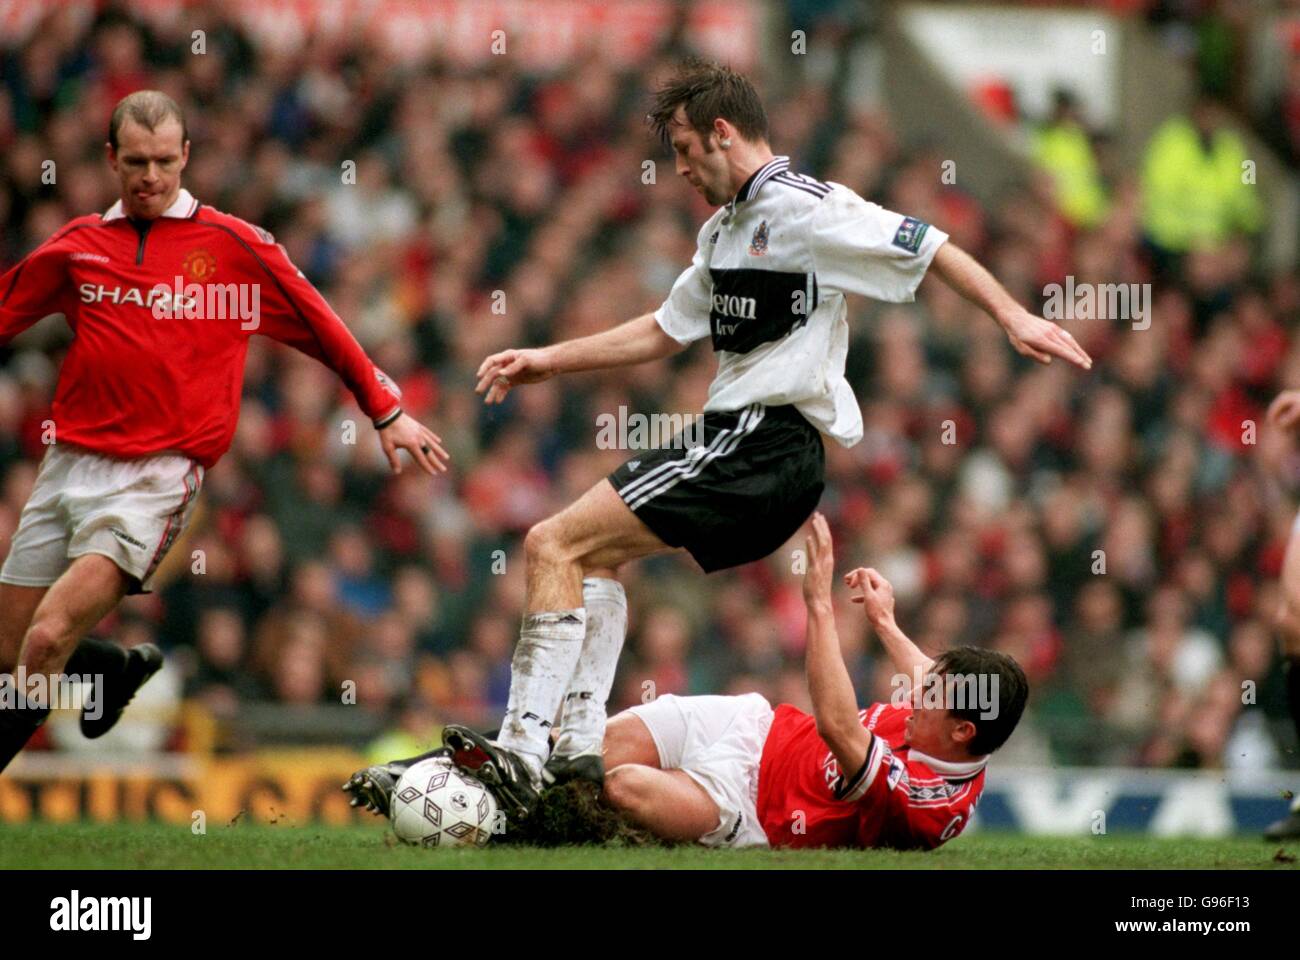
column 182, row 207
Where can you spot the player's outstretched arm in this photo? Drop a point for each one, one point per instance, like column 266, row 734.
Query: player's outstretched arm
column 835, row 703
column 877, row 598
column 636, row 341
column 32, row 288
column 1031, row 336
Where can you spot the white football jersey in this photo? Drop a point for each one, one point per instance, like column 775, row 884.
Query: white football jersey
column 768, row 282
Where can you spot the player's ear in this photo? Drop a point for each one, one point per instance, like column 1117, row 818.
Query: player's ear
column 963, row 731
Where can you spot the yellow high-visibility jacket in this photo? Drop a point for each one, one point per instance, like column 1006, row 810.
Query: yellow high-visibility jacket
column 1192, row 198
column 1065, row 151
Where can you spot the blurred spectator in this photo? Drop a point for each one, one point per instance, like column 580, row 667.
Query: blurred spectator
column 1197, row 192
column 1063, row 147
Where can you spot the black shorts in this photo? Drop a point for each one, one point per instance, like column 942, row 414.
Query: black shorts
column 738, row 495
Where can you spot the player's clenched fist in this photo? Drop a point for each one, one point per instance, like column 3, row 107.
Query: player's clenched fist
column 501, row 371
column 821, row 562
column 877, row 594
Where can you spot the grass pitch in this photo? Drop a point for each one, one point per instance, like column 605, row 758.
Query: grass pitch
column 86, row 846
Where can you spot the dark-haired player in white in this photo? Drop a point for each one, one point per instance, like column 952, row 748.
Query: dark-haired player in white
column 767, row 287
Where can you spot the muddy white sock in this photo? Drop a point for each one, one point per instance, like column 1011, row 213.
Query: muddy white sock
column 582, row 718
column 548, row 650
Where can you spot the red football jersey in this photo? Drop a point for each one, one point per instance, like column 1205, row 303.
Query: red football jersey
column 900, row 798
column 159, row 338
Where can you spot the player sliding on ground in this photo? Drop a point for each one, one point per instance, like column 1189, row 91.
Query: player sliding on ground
column 147, row 400
column 733, row 772
column 767, row 287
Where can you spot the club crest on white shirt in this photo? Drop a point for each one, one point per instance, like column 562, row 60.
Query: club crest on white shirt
column 758, row 242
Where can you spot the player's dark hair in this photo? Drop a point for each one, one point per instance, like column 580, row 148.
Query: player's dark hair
column 708, row 91
column 147, row 108
column 1012, row 693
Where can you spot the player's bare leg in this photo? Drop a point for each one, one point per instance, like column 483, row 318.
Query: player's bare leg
column 91, row 587
column 668, row 803
column 596, row 533
column 124, row 671
column 1288, row 627
column 628, row 740
column 17, row 607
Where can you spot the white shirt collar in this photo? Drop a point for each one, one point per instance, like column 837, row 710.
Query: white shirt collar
column 760, row 176
column 182, row 207
column 750, row 188
column 947, row 768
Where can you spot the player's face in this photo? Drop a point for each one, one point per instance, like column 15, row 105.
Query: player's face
column 701, row 160
column 934, row 729
column 148, row 163
column 929, row 728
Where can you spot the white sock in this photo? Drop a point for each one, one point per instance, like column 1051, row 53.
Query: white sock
column 582, row 720
column 548, row 650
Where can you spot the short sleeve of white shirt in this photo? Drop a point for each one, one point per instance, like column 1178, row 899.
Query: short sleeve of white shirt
column 684, row 316
column 860, row 247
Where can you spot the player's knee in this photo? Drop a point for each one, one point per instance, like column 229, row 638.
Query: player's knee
column 545, row 543
column 48, row 640
column 616, row 741
column 628, row 741
column 625, row 787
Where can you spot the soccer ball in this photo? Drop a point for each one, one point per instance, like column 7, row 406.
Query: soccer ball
column 435, row 805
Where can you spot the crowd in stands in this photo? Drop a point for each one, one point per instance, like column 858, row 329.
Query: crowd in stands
column 1119, row 532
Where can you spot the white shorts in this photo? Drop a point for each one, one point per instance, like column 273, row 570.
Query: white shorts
column 718, row 743
column 130, row 511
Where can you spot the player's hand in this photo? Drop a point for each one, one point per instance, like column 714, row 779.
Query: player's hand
column 424, row 446
column 501, row 371
column 1041, row 339
column 821, row 563
column 876, row 594
column 1284, row 411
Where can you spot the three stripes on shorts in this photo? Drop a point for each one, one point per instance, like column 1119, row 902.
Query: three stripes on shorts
column 665, row 476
